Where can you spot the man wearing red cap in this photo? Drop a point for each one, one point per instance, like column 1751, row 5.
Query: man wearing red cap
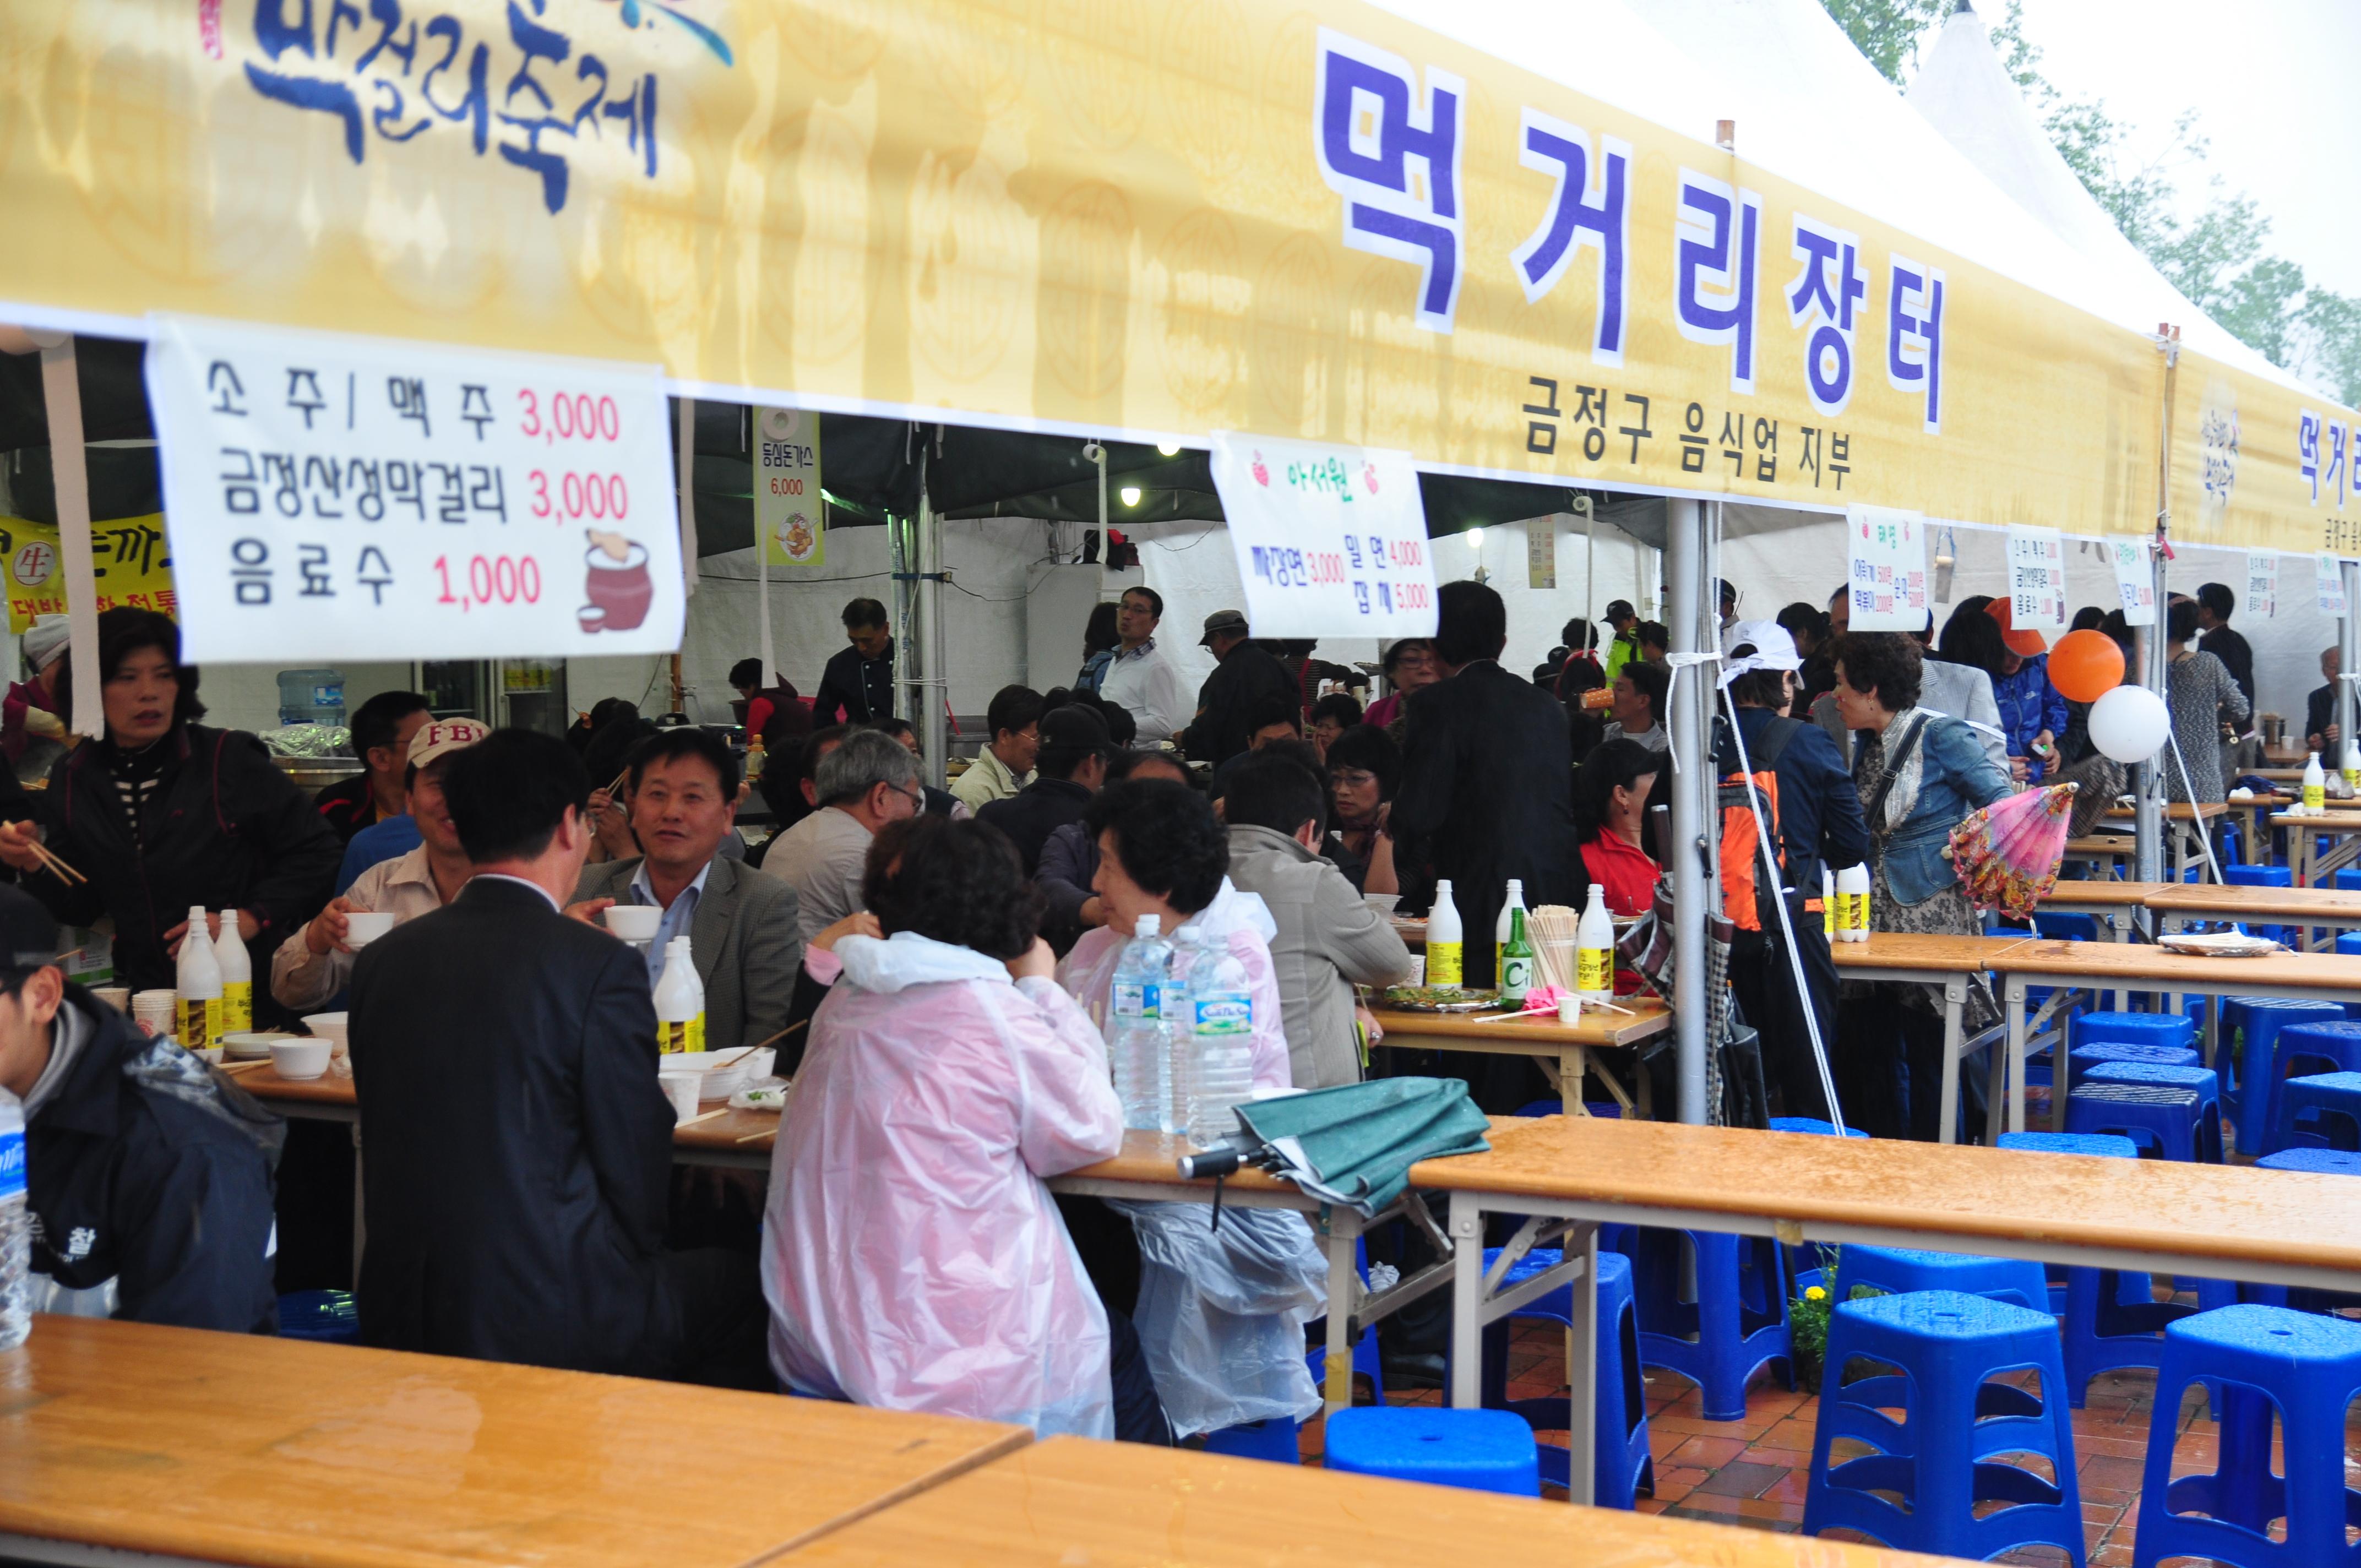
column 2032, row 712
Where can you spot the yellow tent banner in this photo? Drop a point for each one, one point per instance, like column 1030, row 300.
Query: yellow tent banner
column 1158, row 218
column 130, row 557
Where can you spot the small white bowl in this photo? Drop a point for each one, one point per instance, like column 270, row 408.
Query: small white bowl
column 296, row 1059
column 252, row 1046
column 1383, row 902
column 328, row 1026
column 363, row 927
column 635, row 922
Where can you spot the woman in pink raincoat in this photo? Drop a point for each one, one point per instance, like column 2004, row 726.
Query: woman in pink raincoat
column 913, row 1257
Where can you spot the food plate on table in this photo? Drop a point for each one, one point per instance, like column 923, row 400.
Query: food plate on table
column 2219, row 944
column 769, row 1094
column 1439, row 999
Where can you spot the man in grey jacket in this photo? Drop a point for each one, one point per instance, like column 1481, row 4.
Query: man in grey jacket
column 1329, row 940
column 740, row 921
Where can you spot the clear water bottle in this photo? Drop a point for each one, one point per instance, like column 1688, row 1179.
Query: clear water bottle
column 1139, row 1046
column 15, row 1228
column 1221, row 1027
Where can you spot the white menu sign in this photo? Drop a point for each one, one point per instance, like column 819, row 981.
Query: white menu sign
column 1885, row 571
column 2134, row 585
column 2037, row 578
column 2262, row 582
column 789, row 521
column 331, row 496
column 1331, row 541
column 2328, row 580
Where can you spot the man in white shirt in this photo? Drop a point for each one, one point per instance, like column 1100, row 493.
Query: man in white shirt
column 867, row 781
column 1005, row 765
column 314, row 963
column 1141, row 678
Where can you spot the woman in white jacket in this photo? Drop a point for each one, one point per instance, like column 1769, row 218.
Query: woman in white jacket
column 914, row 1258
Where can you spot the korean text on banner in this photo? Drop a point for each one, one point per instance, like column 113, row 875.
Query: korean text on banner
column 133, row 567
column 2037, row 578
column 1886, row 572
column 2262, row 584
column 1331, row 541
column 2134, row 588
column 332, row 497
column 2328, row 580
column 788, row 517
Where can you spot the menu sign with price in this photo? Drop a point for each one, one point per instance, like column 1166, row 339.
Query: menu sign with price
column 1885, row 570
column 331, row 496
column 1331, row 541
column 2037, row 578
column 2134, row 586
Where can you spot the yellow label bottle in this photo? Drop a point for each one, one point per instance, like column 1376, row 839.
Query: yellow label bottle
column 681, row 1034
column 236, row 1006
column 1446, row 965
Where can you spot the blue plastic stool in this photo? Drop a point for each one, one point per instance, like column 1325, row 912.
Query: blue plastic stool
column 2348, row 882
column 1946, row 1346
column 1273, row 1440
column 2348, row 942
column 2203, row 1080
column 1899, row 1270
column 2250, row 1029
column 2070, row 1143
column 2064, row 927
column 2332, row 1102
column 1723, row 1336
column 2310, row 1368
column 2263, row 876
column 329, row 1316
column 2133, row 1029
column 1477, row 1450
column 1811, row 1124
column 2328, row 1162
column 2170, row 1122
column 2305, row 1050
column 1621, row 1466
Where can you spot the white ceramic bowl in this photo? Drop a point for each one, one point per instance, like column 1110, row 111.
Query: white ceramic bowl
column 328, row 1026
column 295, row 1058
column 635, row 922
column 1383, row 902
column 251, row 1046
column 720, row 1083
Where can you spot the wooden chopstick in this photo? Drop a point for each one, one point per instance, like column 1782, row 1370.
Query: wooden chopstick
column 708, row 1116
column 780, row 1036
column 57, row 867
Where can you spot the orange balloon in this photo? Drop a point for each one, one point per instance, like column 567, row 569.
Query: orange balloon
column 2086, row 665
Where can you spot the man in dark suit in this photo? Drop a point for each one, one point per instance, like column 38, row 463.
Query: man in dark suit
column 1246, row 674
column 1072, row 766
column 520, row 1149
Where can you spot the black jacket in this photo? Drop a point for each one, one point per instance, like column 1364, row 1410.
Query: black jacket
column 861, row 690
column 134, row 1178
column 1249, row 675
column 1034, row 812
column 1487, row 794
column 520, row 1149
column 225, row 829
column 2231, row 647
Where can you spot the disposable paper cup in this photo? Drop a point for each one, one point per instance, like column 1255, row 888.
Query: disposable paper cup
column 152, row 1011
column 115, row 996
column 363, row 927
column 296, row 1059
column 681, row 1089
column 1418, row 969
column 635, row 922
column 1569, row 1009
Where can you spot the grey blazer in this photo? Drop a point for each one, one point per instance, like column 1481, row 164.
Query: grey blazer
column 746, row 940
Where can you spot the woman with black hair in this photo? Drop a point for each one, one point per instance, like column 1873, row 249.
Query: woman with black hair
column 162, row 813
column 1363, row 767
column 1611, row 811
column 914, row 1258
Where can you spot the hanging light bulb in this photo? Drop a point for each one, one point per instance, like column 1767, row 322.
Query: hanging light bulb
column 1169, row 448
column 1130, row 493
column 1476, row 540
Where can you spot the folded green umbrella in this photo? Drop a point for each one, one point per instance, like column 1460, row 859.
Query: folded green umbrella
column 1355, row 1144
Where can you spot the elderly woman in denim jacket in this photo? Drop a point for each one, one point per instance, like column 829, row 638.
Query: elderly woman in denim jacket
column 1918, row 773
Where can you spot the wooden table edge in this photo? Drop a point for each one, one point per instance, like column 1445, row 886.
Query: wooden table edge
column 1011, row 1443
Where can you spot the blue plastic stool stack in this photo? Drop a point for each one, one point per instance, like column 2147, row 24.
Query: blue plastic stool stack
column 2317, row 1112
column 1477, row 1450
column 2309, row 1368
column 1900, row 1270
column 2250, row 1032
column 2168, row 1121
column 2203, row 1080
column 2348, row 882
column 1621, row 1466
column 1273, row 1440
column 2305, row 1050
column 2263, row 876
column 1737, row 1321
column 1939, row 1456
column 2134, row 1029
column 329, row 1316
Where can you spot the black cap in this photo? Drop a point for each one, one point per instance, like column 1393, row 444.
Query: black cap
column 1075, row 728
column 29, row 931
column 1222, row 623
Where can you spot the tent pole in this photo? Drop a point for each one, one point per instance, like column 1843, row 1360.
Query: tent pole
column 2348, row 658
column 1691, row 696
column 933, row 736
column 2148, row 786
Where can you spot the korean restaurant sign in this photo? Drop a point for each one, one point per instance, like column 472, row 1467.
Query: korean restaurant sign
column 1331, row 541
column 1155, row 219
column 130, row 562
column 1885, row 569
column 331, row 496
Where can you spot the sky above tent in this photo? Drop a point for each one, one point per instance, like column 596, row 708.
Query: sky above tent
column 2273, row 86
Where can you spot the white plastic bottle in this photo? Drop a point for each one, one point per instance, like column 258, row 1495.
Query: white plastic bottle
column 1220, row 1020
column 1852, row 903
column 1139, row 1046
column 197, row 982
column 680, row 1002
column 1594, row 950
column 2315, row 785
column 237, row 977
column 2351, row 767
column 1445, row 943
column 15, row 1228
column 1509, row 907
column 1829, row 904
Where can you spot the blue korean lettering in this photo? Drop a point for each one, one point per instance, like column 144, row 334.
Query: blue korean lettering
column 1914, row 335
column 1590, row 207
column 537, row 42
column 1822, row 302
column 1719, row 235
column 473, row 108
column 2307, row 451
column 2332, row 477
column 1372, row 125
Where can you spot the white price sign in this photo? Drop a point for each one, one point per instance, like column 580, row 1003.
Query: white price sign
column 2262, row 582
column 2328, row 580
column 2134, row 586
column 1331, row 541
column 1886, row 570
column 343, row 498
column 2037, row 578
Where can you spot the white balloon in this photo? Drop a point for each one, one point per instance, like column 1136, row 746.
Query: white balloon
column 2130, row 724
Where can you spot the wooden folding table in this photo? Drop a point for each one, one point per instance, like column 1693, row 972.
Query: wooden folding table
column 1948, row 961
column 1563, row 1050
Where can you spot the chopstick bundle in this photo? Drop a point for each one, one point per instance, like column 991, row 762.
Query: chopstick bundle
column 1556, row 930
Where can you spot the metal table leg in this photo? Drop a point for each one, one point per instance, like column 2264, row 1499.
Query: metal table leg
column 2012, row 1005
column 1955, row 1000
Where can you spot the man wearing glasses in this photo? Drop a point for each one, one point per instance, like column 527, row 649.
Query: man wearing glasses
column 866, row 781
column 1072, row 763
column 1141, row 678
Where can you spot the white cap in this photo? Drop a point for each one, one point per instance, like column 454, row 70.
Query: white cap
column 1768, row 648
column 44, row 641
column 1146, row 926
